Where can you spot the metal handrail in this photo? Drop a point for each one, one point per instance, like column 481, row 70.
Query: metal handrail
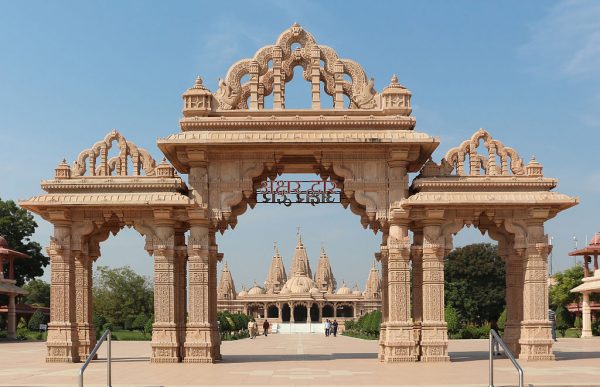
column 106, row 335
column 495, row 337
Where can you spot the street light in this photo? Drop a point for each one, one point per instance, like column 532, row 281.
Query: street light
column 575, row 257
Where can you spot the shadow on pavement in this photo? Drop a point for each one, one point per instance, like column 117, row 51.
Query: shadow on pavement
column 257, row 358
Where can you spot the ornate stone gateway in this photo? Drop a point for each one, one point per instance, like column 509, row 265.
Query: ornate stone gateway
column 230, row 142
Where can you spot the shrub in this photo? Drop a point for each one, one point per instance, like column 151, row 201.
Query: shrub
column 107, row 326
column 502, row 320
column 22, row 329
column 452, row 319
column 2, row 322
column 148, row 325
column 562, row 320
column 596, row 327
column 349, row 324
column 36, row 319
column 578, row 322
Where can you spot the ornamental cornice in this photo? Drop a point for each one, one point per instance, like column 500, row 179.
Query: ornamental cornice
column 483, row 183
column 363, row 135
column 487, row 199
column 114, row 184
column 108, row 199
column 298, row 120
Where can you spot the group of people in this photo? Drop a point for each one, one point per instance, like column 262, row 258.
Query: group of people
column 331, row 328
column 253, row 328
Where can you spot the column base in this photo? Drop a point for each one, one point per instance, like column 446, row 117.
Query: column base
column 536, row 341
column 512, row 334
column 586, row 334
column 417, row 337
column 202, row 345
column 434, row 342
column 62, row 344
column 87, row 340
column 399, row 343
column 165, row 344
column 381, row 352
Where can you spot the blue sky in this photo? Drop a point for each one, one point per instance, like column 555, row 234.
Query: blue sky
column 528, row 72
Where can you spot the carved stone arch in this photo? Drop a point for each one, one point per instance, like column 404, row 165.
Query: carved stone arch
column 100, row 165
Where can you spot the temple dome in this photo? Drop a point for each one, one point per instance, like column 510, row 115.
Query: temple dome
column 256, row 290
column 299, row 284
column 285, row 291
column 243, row 293
column 356, row 291
column 344, row 290
column 314, row 291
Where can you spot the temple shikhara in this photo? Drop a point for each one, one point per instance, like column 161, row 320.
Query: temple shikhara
column 236, row 138
column 301, row 297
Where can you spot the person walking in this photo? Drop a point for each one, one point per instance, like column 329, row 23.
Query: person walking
column 552, row 319
column 335, row 327
column 266, row 327
column 327, row 327
column 251, row 324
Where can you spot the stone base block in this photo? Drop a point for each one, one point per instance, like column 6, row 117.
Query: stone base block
column 536, row 341
column 381, row 352
column 399, row 343
column 512, row 334
column 62, row 344
column 202, row 345
column 165, row 353
column 434, row 342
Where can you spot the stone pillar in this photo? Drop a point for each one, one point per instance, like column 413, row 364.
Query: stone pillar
column 383, row 258
column 279, row 311
column 181, row 287
column 320, row 312
column 400, row 345
column 165, row 338
column 83, row 301
column 434, row 331
column 536, row 330
column 62, row 342
column 202, row 339
column 11, row 321
column 213, row 256
column 416, row 253
column 514, row 300
column 587, row 316
column 315, row 78
column 292, row 306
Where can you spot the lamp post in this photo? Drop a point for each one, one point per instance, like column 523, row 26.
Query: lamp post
column 551, row 258
column 575, row 257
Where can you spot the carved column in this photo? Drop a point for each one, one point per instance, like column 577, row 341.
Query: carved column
column 416, row 253
column 514, row 298
column 586, row 330
column 165, row 338
column 253, row 105
column 315, row 72
column 202, row 336
column 338, row 67
column 434, row 332
column 400, row 345
column 11, row 321
column 83, row 301
column 536, row 330
column 277, row 79
column 382, row 256
column 181, row 287
column 62, row 342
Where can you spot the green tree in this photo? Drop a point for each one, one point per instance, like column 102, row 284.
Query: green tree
column 563, row 319
column 120, row 294
column 560, row 293
column 17, row 226
column 37, row 318
column 475, row 282
column 148, row 326
column 39, row 293
column 139, row 322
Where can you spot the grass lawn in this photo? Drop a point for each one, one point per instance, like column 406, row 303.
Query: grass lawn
column 571, row 332
column 359, row 335
column 131, row 336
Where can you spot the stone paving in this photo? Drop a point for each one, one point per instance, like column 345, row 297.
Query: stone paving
column 302, row 359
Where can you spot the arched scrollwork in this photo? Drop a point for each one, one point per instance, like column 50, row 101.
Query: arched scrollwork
column 273, row 66
column 510, row 161
column 96, row 161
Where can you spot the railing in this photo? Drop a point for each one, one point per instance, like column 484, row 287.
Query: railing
column 104, row 337
column 494, row 337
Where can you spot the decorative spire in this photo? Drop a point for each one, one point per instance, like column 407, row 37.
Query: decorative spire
column 373, row 286
column 197, row 100
column 276, row 277
column 62, row 171
column 226, row 288
column 300, row 263
column 324, row 276
column 534, row 168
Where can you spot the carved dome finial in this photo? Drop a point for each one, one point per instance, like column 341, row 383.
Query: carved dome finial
column 62, row 171
column 534, row 168
column 197, row 99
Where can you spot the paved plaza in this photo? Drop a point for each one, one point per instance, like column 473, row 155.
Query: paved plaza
column 302, row 359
